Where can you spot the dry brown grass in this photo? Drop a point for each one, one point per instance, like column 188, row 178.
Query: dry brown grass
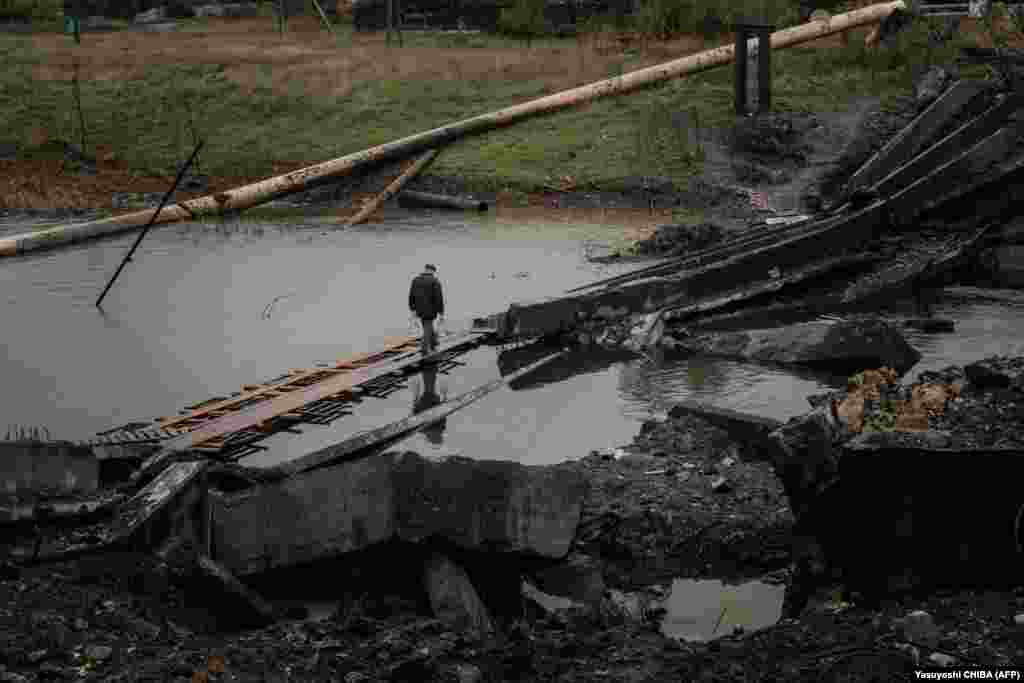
column 249, row 48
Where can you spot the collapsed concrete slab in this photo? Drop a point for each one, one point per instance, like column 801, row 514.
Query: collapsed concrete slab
column 997, row 373
column 475, row 504
column 846, row 345
column 936, row 515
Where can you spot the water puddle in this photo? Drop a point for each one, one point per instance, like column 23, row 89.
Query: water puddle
column 707, row 609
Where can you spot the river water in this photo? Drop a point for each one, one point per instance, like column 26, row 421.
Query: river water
column 206, row 308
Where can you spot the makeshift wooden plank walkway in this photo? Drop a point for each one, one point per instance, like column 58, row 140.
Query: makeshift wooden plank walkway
column 231, row 427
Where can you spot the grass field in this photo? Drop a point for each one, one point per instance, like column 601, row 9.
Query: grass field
column 267, row 104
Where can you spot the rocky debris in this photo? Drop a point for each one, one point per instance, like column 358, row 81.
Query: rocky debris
column 680, row 239
column 845, row 344
column 239, row 9
column 36, row 467
column 720, row 484
column 749, row 430
column 502, row 506
column 127, row 617
column 579, row 577
column 1002, row 266
column 967, row 434
column 652, row 525
column 648, row 332
column 997, row 372
column 768, row 149
column 152, row 16
column 931, row 84
column 919, row 628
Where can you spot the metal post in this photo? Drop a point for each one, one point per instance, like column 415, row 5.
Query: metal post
column 138, row 240
column 744, row 31
column 741, row 69
column 764, row 72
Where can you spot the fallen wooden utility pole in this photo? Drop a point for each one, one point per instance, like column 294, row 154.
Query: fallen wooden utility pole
column 428, row 200
column 394, row 188
column 253, row 194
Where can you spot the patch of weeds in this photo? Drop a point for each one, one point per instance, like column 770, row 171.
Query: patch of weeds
column 884, row 420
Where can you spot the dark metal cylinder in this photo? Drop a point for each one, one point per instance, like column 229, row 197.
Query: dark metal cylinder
column 764, row 71
column 741, row 69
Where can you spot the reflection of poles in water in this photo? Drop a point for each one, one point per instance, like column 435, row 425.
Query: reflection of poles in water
column 425, row 397
column 921, row 293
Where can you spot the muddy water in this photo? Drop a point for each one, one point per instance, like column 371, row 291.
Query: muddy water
column 703, row 610
column 983, row 328
column 204, row 309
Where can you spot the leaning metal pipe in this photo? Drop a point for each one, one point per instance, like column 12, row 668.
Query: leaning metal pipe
column 271, row 188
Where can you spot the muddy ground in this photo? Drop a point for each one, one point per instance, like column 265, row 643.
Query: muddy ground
column 683, row 500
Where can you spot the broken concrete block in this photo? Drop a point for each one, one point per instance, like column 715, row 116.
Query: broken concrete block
column 453, row 597
column 151, row 16
column 28, row 467
column 996, row 372
column 476, row 504
column 551, row 604
column 721, row 485
column 804, row 457
column 919, row 628
column 845, row 344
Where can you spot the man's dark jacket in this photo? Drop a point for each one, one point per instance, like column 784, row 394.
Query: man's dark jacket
column 425, row 297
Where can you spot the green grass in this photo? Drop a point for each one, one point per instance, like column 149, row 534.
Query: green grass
column 598, row 145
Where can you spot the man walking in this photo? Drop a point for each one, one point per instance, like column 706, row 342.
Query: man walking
column 427, row 302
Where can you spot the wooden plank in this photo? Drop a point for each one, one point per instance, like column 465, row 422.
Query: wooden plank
column 401, row 428
column 272, row 408
column 394, row 187
column 282, row 385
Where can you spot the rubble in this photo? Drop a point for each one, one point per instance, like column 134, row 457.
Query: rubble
column 876, row 436
column 842, row 344
column 453, row 597
column 31, row 468
column 1003, row 266
column 679, row 239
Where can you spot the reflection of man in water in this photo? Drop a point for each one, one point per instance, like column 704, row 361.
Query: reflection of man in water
column 426, row 398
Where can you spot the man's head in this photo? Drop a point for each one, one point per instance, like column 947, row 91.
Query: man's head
column 430, row 268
